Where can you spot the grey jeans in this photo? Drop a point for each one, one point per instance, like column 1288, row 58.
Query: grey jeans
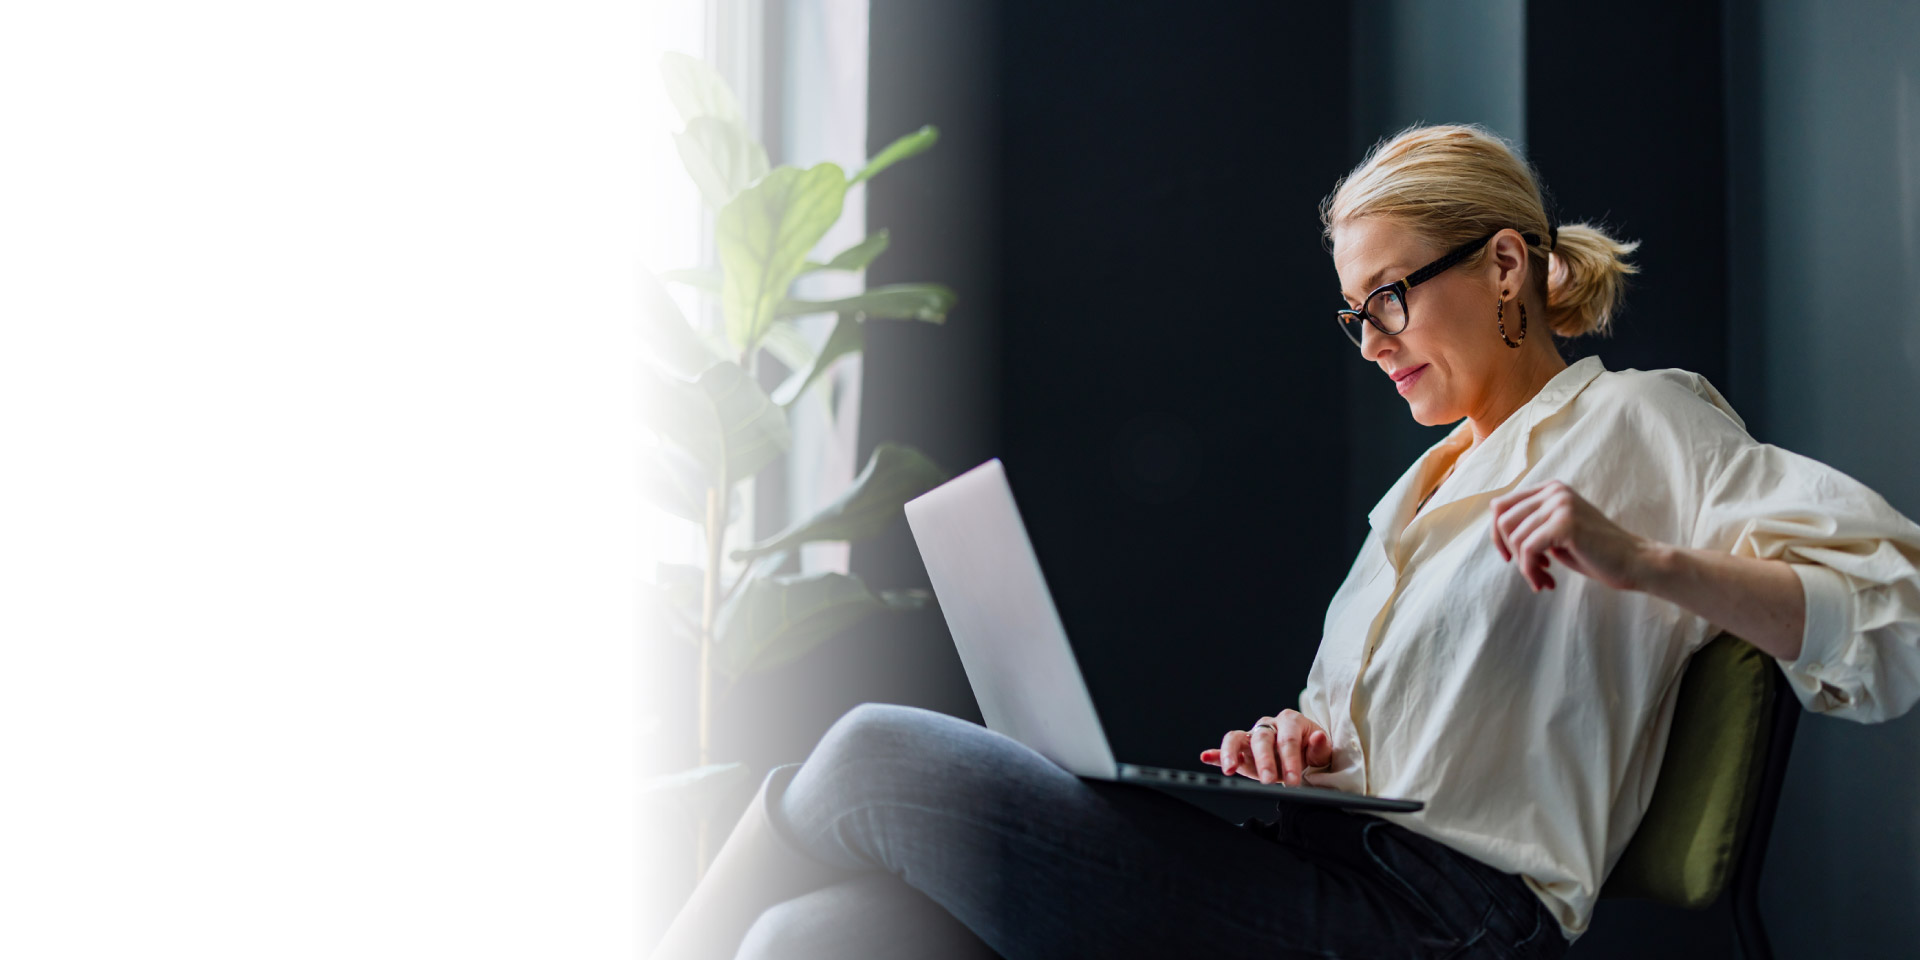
column 966, row 843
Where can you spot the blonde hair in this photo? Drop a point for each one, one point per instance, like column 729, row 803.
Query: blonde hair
column 1450, row 183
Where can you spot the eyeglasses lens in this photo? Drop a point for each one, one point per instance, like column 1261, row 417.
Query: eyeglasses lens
column 1388, row 311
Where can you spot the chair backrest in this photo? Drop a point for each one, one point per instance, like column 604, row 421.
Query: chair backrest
column 1711, row 780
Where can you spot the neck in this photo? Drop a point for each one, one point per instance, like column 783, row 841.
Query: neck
column 1514, row 387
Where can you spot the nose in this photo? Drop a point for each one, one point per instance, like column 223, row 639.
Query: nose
column 1374, row 344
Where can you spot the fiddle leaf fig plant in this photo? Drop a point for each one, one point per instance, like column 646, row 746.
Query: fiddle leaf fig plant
column 714, row 427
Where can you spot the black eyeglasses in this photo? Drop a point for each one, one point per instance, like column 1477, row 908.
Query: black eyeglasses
column 1386, row 306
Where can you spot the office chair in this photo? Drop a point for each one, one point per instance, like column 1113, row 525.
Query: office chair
column 1713, row 804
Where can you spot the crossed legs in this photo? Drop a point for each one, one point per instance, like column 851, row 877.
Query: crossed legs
column 1016, row 855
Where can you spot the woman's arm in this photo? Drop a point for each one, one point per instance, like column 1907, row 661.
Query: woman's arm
column 1759, row 601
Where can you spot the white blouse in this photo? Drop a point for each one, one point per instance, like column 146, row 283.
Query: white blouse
column 1533, row 724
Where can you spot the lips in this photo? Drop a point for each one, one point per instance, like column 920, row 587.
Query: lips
column 1402, row 375
column 1405, row 382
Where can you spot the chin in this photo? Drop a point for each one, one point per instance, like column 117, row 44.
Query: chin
column 1430, row 415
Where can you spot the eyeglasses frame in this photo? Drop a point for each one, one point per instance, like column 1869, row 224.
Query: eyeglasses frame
column 1411, row 280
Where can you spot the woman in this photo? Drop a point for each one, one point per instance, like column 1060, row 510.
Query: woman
column 1507, row 646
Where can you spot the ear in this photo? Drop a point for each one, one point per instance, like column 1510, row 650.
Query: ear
column 1508, row 264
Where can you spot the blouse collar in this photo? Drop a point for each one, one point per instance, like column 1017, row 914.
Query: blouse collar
column 1491, row 467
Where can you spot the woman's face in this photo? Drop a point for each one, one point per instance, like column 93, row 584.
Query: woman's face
column 1451, row 343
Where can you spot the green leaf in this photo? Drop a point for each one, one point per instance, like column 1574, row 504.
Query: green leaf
column 666, row 335
column 697, row 277
column 720, row 157
column 899, row 301
column 775, row 620
column 765, row 234
column 788, row 345
column 722, row 414
column 767, row 566
column 913, row 143
column 684, row 584
column 892, row 476
column 847, row 337
column 855, row 257
column 674, row 481
column 910, row 599
column 697, row 90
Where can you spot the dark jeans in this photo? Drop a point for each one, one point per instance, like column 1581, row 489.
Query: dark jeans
column 964, row 842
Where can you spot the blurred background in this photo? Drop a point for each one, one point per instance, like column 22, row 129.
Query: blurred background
column 1123, row 199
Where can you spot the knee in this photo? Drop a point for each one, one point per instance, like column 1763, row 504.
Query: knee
column 877, row 735
column 880, row 752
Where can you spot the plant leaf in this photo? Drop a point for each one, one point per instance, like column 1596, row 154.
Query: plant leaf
column 765, row 234
column 698, row 277
column 665, row 333
column 681, row 583
column 721, row 414
column 674, row 481
column 893, row 475
column 898, row 301
column 697, row 90
column 855, row 257
column 720, row 157
column 774, row 620
column 909, row 599
column 847, row 337
column 788, row 345
column 913, row 143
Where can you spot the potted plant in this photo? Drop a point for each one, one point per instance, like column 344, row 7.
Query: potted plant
column 715, row 427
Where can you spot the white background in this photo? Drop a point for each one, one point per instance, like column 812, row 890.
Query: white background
column 318, row 533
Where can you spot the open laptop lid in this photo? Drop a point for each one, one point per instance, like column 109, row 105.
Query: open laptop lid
column 1003, row 620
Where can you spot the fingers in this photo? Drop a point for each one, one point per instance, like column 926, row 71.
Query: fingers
column 1212, row 756
column 1233, row 751
column 1519, row 521
column 1290, row 757
column 1319, row 750
column 1533, row 555
column 1262, row 738
column 1509, row 509
column 1278, row 750
column 1530, row 540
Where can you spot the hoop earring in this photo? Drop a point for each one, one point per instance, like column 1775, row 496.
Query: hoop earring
column 1499, row 318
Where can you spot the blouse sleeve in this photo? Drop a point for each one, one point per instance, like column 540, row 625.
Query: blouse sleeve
column 1855, row 556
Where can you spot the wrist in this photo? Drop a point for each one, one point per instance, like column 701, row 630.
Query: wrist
column 1656, row 564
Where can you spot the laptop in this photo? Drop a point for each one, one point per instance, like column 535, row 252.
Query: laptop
column 1015, row 649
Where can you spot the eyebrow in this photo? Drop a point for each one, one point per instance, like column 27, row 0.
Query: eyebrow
column 1373, row 282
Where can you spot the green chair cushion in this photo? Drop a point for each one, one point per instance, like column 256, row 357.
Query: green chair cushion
column 1684, row 851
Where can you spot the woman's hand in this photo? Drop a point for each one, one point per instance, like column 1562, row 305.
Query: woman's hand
column 1549, row 520
column 1280, row 751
